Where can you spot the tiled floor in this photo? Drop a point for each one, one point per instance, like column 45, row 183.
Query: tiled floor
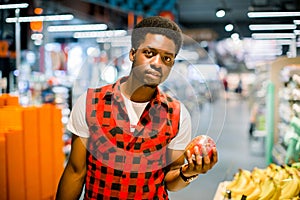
column 230, row 119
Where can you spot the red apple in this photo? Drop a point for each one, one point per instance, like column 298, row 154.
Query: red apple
column 202, row 141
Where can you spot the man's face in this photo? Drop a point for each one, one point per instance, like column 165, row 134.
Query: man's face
column 153, row 60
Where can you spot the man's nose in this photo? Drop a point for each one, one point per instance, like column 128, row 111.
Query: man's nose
column 156, row 60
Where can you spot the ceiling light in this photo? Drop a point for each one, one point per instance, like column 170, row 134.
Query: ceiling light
column 96, row 34
column 229, row 27
column 84, row 27
column 272, row 14
column 273, row 36
column 259, row 27
column 220, row 13
column 40, row 18
column 37, row 36
column 114, row 39
column 297, row 32
column 235, row 36
column 297, row 22
column 14, row 6
column 277, row 52
column 284, row 42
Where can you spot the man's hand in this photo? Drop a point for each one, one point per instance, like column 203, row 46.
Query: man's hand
column 199, row 163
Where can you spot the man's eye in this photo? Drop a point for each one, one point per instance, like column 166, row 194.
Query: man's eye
column 149, row 53
column 168, row 59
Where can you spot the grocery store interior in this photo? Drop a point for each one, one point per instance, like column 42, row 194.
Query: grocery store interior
column 239, row 72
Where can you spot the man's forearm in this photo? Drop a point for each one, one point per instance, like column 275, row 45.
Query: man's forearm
column 70, row 186
column 173, row 180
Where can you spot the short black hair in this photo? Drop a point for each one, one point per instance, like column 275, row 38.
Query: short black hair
column 156, row 25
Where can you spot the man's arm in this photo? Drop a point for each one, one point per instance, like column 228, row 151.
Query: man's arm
column 199, row 165
column 172, row 180
column 72, row 180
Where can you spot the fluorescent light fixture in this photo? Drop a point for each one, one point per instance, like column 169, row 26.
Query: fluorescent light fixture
column 297, row 22
column 37, row 36
column 267, row 53
column 40, row 18
column 297, row 32
column 120, row 44
column 14, row 6
column 273, row 14
column 284, row 42
column 260, row 27
column 83, row 27
column 273, row 36
column 270, row 43
column 126, row 39
column 97, row 34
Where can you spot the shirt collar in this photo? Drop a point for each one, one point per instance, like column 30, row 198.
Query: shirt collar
column 159, row 98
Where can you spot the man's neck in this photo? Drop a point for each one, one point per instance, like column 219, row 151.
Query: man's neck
column 141, row 93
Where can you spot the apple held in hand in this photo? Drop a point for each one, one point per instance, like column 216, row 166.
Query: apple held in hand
column 202, row 141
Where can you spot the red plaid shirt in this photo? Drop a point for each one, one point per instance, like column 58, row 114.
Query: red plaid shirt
column 122, row 164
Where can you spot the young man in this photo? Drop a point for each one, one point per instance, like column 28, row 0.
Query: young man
column 129, row 137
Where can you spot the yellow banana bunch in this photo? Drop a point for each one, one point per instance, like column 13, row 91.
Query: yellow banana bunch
column 271, row 183
column 234, row 181
column 268, row 189
column 294, row 171
column 255, row 193
column 272, row 170
column 281, row 174
column 277, row 192
column 258, row 174
column 290, row 188
column 242, row 184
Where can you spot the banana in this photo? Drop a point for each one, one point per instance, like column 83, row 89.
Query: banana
column 244, row 184
column 258, row 175
column 281, row 174
column 294, row 171
column 234, row 181
column 277, row 193
column 255, row 193
column 274, row 182
column 248, row 189
column 272, row 170
column 296, row 165
column 268, row 189
column 290, row 188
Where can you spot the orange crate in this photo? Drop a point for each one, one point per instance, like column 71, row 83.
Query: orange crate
column 59, row 156
column 15, row 164
column 11, row 118
column 12, row 100
column 32, row 153
column 3, row 176
column 45, row 123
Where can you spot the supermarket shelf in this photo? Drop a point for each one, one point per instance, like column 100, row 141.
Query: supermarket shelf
column 278, row 154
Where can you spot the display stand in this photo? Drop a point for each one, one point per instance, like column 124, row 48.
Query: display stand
column 219, row 195
column 272, row 115
column 31, row 156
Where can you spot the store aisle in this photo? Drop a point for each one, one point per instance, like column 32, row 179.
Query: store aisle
column 235, row 150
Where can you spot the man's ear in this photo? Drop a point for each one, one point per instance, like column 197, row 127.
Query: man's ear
column 132, row 54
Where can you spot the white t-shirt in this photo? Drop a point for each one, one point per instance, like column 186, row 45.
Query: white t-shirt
column 78, row 126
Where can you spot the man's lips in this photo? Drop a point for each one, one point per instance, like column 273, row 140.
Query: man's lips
column 153, row 73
